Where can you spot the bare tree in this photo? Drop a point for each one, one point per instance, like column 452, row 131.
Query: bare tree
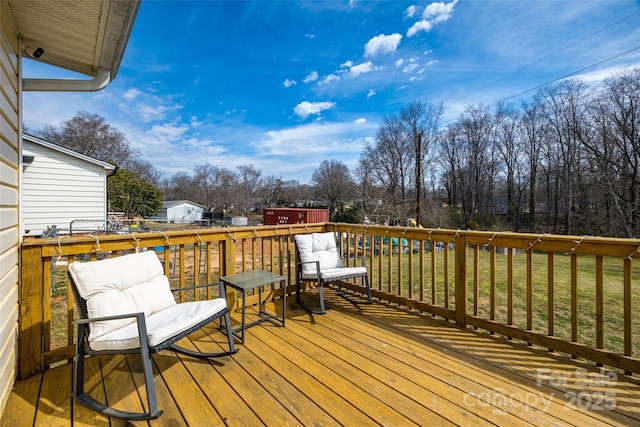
column 271, row 191
column 420, row 123
column 614, row 140
column 92, row 136
column 180, row 186
column 248, row 179
column 565, row 112
column 225, row 195
column 390, row 160
column 372, row 201
column 335, row 185
column 511, row 151
column 204, row 177
column 532, row 129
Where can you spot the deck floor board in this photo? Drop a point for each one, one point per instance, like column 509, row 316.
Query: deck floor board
column 356, row 365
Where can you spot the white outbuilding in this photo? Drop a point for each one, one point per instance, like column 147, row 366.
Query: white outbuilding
column 60, row 186
column 180, row 211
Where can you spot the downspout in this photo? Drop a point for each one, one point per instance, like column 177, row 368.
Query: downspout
column 100, row 81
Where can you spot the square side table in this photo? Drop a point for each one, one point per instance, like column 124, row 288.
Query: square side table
column 253, row 279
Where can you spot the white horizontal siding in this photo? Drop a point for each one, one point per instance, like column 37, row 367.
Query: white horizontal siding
column 59, row 188
column 9, row 202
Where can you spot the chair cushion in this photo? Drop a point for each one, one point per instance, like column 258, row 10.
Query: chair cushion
column 131, row 283
column 317, row 247
column 161, row 326
column 332, row 274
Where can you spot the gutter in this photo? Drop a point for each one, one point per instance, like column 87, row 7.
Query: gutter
column 100, row 81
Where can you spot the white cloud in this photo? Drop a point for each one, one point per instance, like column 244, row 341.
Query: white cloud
column 371, row 93
column 150, row 112
column 330, row 78
column 439, row 11
column 364, row 68
column 289, row 83
column 195, row 122
column 347, row 64
column 433, row 14
column 423, row 25
column 341, row 141
column 131, row 94
column 409, row 68
column 399, row 62
column 360, row 121
column 306, row 108
column 382, row 44
column 410, row 11
column 312, row 77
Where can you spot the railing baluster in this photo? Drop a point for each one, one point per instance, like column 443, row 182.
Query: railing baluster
column 446, row 275
column 476, row 279
column 492, row 282
column 628, row 322
column 529, row 291
column 550, row 295
column 574, row 297
column 510, row 286
column 434, row 290
column 599, row 303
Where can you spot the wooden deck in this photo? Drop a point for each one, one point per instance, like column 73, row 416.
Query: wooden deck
column 355, row 366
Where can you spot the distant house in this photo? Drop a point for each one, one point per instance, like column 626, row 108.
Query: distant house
column 179, row 211
column 59, row 186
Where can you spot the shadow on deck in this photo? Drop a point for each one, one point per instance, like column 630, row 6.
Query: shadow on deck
column 357, row 365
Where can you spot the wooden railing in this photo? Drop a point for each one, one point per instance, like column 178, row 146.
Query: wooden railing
column 578, row 296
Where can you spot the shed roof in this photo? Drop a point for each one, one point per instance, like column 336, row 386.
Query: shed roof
column 60, row 149
column 172, row 203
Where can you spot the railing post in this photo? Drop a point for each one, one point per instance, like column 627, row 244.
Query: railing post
column 31, row 312
column 229, row 267
column 461, row 281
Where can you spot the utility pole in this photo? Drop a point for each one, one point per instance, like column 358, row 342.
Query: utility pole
column 418, row 177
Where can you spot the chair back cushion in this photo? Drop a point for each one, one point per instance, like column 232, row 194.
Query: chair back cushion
column 317, row 247
column 131, row 283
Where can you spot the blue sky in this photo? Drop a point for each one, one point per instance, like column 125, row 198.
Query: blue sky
column 285, row 85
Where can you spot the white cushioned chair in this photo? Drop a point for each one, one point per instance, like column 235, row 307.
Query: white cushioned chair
column 127, row 306
column 320, row 262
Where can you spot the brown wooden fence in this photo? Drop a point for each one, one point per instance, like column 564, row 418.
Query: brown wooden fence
column 575, row 295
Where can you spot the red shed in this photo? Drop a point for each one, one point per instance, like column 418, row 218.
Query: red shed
column 275, row 216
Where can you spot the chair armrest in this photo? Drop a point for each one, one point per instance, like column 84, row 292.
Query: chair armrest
column 138, row 315
column 140, row 322
column 317, row 263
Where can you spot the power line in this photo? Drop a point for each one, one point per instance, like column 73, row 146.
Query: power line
column 542, row 59
column 565, row 76
column 551, row 81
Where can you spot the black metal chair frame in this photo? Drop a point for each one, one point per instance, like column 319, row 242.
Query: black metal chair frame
column 145, row 352
column 318, row 279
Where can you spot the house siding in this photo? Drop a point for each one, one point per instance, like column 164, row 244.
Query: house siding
column 9, row 202
column 58, row 188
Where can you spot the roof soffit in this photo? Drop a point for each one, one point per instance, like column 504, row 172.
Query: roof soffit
column 80, row 36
